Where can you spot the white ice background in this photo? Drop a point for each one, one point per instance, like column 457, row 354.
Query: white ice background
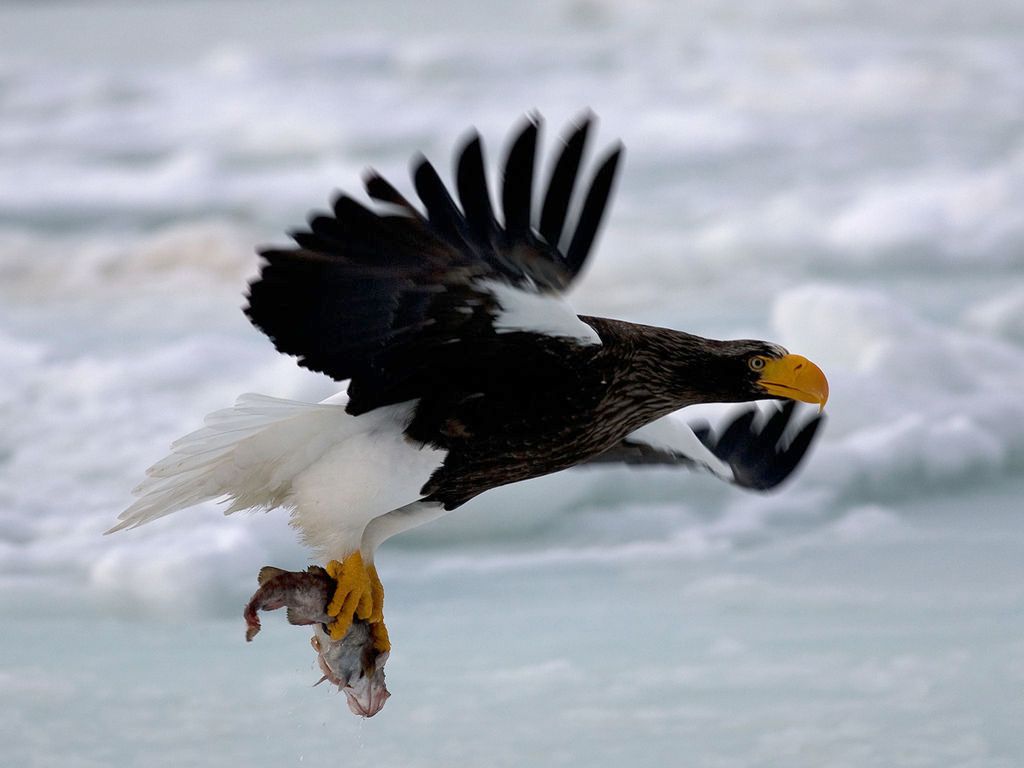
column 844, row 178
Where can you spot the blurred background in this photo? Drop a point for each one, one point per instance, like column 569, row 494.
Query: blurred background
column 845, row 178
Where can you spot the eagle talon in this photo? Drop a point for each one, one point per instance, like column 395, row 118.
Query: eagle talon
column 359, row 595
column 379, row 633
column 377, row 597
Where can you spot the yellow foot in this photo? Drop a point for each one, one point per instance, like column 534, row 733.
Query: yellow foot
column 376, row 595
column 359, row 595
column 379, row 633
column 378, row 630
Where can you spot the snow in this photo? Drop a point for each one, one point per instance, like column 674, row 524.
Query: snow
column 845, row 180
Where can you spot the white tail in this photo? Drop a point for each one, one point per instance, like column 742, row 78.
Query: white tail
column 248, row 453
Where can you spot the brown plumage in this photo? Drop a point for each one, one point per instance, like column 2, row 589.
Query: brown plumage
column 401, row 303
column 562, row 404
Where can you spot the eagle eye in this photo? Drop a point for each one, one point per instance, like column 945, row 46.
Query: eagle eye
column 757, row 363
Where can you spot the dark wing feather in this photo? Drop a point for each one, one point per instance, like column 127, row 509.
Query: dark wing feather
column 445, row 219
column 471, row 180
column 517, row 188
column 561, row 184
column 380, row 296
column 380, row 189
column 593, row 212
column 755, row 453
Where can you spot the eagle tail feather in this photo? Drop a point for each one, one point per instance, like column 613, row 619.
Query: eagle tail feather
column 248, row 453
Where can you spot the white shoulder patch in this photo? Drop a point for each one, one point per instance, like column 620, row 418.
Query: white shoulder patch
column 547, row 314
column 671, row 433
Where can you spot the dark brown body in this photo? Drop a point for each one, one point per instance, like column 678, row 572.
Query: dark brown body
column 554, row 403
column 408, row 305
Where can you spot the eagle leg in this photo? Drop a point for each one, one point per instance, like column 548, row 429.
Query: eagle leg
column 378, row 630
column 359, row 595
column 353, row 597
column 379, row 634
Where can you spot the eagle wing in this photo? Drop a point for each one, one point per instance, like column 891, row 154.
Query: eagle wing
column 750, row 451
column 382, row 296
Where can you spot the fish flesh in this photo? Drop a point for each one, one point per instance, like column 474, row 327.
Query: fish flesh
column 353, row 663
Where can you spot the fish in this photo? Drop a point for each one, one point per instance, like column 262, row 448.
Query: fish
column 354, row 664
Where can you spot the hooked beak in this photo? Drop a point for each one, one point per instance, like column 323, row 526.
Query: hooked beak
column 794, row 377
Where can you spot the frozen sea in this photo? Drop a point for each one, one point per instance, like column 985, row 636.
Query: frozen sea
column 845, row 178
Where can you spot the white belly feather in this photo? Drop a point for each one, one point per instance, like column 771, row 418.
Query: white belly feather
column 362, row 477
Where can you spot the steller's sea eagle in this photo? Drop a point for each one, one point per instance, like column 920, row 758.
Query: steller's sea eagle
column 467, row 370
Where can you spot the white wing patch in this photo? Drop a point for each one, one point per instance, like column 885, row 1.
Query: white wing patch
column 548, row 314
column 671, row 433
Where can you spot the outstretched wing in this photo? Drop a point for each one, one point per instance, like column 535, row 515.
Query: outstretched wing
column 751, row 451
column 381, row 296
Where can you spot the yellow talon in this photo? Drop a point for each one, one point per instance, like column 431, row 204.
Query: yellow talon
column 377, row 594
column 359, row 595
column 379, row 632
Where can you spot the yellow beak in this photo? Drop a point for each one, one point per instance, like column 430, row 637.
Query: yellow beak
column 795, row 378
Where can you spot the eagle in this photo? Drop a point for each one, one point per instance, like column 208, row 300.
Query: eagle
column 466, row 368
